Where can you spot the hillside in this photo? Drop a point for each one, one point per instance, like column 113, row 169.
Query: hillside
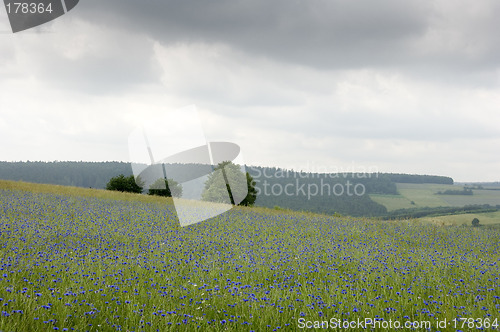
column 86, row 259
column 355, row 194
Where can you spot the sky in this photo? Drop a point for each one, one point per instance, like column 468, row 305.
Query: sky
column 315, row 85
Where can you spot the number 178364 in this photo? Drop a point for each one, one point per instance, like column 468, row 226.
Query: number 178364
column 28, row 8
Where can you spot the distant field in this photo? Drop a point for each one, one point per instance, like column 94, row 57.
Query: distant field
column 424, row 195
column 393, row 202
column 491, row 197
column 490, row 219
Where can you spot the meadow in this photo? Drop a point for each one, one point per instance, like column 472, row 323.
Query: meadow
column 487, row 219
column 424, row 195
column 90, row 260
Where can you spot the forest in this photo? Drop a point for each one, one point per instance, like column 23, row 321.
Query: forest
column 336, row 193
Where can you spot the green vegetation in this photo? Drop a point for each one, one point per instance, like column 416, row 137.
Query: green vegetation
column 344, row 193
column 491, row 197
column 228, row 184
column 252, row 192
column 80, row 192
column 166, row 188
column 465, row 191
column 121, row 262
column 438, row 211
column 413, row 178
column 424, row 195
column 488, row 219
column 393, row 202
column 66, row 173
column 379, row 194
column 127, row 184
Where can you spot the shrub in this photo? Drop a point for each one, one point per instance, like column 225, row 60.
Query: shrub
column 167, row 188
column 125, row 184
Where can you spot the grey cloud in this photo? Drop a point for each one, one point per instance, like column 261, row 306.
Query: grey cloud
column 279, row 77
column 79, row 57
column 97, row 76
column 318, row 33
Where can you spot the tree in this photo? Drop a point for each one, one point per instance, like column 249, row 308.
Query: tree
column 475, row 222
column 228, row 184
column 252, row 192
column 167, row 188
column 125, row 184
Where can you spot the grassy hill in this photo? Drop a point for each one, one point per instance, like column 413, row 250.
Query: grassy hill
column 88, row 260
column 487, row 219
column 425, row 195
column 300, row 191
column 414, row 196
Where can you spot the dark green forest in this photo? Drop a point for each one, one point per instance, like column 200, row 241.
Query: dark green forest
column 414, row 178
column 343, row 193
column 465, row 191
column 66, row 173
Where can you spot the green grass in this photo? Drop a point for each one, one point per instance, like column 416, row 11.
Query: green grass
column 424, row 195
column 99, row 261
column 486, row 219
column 480, row 197
column 80, row 192
column 392, row 202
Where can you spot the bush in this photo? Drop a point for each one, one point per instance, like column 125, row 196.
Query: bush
column 125, row 184
column 167, row 188
column 252, row 192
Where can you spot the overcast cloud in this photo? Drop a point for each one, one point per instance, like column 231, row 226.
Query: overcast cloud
column 409, row 86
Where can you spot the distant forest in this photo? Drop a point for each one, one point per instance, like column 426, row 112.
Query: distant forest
column 66, row 173
column 343, row 193
column 413, row 178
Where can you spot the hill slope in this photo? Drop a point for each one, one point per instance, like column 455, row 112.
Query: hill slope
column 77, row 261
column 341, row 193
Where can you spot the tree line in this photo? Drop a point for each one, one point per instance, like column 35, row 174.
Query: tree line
column 98, row 174
column 225, row 184
column 415, row 178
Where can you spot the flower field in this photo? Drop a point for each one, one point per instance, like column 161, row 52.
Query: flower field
column 74, row 262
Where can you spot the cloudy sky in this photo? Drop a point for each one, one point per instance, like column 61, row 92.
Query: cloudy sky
column 397, row 86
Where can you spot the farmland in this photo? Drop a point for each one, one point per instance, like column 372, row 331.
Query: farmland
column 424, row 195
column 487, row 219
column 90, row 260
